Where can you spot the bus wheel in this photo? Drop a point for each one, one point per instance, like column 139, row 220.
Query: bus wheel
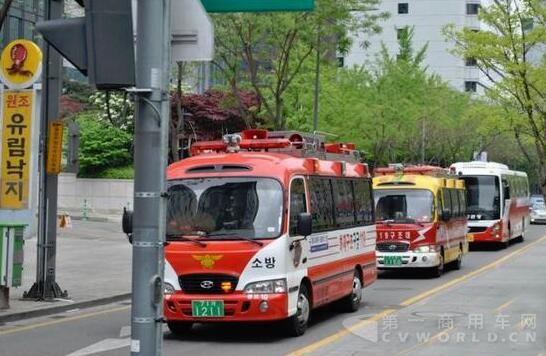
column 521, row 237
column 297, row 324
column 438, row 270
column 180, row 328
column 457, row 264
column 351, row 303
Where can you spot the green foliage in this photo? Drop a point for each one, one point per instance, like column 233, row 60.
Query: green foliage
column 510, row 53
column 268, row 52
column 385, row 108
column 102, row 145
column 126, row 172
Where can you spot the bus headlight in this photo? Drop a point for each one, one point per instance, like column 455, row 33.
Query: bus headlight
column 266, row 287
column 425, row 249
column 496, row 227
column 168, row 288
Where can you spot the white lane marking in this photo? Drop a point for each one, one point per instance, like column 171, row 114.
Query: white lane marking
column 125, row 331
column 106, row 344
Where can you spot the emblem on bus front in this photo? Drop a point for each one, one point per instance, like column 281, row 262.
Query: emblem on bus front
column 207, row 284
column 207, row 261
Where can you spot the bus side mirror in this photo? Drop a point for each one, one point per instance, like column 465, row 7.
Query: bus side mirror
column 445, row 215
column 127, row 223
column 305, row 225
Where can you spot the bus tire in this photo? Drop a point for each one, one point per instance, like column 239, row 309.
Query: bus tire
column 297, row 323
column 437, row 271
column 351, row 302
column 521, row 237
column 458, row 263
column 180, row 328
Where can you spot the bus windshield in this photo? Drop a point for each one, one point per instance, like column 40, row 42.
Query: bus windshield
column 225, row 208
column 404, row 205
column 483, row 197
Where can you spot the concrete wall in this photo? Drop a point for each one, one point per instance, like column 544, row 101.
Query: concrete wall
column 98, row 196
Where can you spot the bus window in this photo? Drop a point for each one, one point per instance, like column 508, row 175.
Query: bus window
column 462, row 200
column 483, row 196
column 404, row 205
column 343, row 199
column 446, row 201
column 297, row 203
column 455, row 205
column 321, row 204
column 363, row 201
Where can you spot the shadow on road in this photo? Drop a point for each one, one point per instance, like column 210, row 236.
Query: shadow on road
column 250, row 333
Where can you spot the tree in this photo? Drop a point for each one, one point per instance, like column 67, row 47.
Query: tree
column 208, row 116
column 382, row 109
column 115, row 108
column 266, row 52
column 510, row 52
column 102, row 146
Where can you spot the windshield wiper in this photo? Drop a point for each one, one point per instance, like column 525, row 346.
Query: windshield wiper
column 228, row 234
column 171, row 237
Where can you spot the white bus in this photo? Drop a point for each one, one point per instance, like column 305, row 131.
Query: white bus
column 497, row 201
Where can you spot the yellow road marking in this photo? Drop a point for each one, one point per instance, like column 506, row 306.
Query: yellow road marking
column 330, row 339
column 428, row 342
column 60, row 321
column 469, row 275
column 504, row 305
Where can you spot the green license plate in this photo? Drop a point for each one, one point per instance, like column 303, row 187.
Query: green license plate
column 392, row 260
column 207, row 308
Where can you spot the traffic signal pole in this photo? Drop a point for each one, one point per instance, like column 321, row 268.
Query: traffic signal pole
column 46, row 287
column 151, row 134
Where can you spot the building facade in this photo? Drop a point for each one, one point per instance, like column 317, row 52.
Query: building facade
column 19, row 23
column 428, row 19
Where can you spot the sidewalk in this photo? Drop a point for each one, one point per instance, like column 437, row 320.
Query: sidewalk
column 93, row 265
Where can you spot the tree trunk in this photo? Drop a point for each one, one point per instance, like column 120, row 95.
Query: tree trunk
column 4, row 298
column 4, row 12
column 542, row 180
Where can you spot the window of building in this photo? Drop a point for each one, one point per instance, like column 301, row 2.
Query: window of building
column 340, row 62
column 527, row 24
column 297, row 203
column 28, row 28
column 14, row 28
column 472, row 9
column 403, row 8
column 401, row 32
column 470, row 86
column 470, row 62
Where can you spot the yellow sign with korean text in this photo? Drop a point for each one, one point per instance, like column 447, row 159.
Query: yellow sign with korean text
column 54, row 147
column 16, row 145
column 20, row 64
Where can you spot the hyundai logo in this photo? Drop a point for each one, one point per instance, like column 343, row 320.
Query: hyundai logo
column 207, row 284
column 392, row 247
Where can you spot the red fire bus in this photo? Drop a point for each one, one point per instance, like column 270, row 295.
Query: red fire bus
column 498, row 201
column 267, row 226
column 420, row 215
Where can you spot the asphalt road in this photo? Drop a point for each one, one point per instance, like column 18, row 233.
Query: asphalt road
column 496, row 304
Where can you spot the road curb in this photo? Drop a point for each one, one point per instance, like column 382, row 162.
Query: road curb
column 16, row 316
